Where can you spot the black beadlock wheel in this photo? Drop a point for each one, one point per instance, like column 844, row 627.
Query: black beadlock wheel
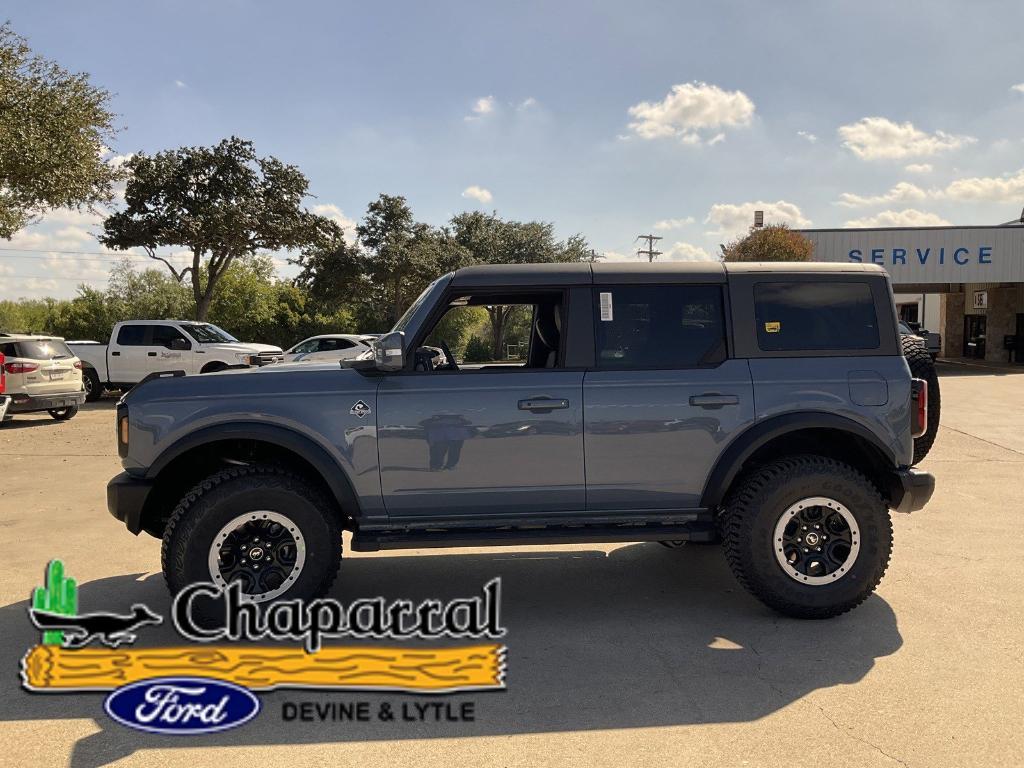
column 272, row 531
column 923, row 367
column 808, row 536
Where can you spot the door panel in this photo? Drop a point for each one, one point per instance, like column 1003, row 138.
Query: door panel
column 652, row 437
column 469, row 442
column 160, row 357
column 127, row 361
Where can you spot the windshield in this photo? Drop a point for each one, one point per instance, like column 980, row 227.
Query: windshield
column 404, row 319
column 48, row 349
column 205, row 333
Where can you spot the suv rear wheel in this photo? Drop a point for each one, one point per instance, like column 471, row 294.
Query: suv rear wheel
column 808, row 536
column 270, row 530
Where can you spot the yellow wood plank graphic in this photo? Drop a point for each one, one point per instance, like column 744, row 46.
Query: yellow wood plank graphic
column 52, row 668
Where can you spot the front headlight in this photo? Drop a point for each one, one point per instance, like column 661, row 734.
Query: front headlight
column 244, row 357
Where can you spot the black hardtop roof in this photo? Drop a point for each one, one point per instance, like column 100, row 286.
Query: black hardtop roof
column 658, row 272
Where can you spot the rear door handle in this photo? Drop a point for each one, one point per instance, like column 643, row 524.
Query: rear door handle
column 151, row 354
column 713, row 400
column 542, row 404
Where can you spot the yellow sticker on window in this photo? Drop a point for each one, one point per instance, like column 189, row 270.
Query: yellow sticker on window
column 773, row 327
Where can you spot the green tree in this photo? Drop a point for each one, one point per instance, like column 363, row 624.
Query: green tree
column 776, row 242
column 222, row 203
column 54, row 128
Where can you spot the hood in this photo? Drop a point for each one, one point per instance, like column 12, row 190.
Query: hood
column 252, row 349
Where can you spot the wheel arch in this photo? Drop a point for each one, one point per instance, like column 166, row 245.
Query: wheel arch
column 822, row 433
column 200, row 453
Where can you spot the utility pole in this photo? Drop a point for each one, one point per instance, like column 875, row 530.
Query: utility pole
column 649, row 252
column 593, row 256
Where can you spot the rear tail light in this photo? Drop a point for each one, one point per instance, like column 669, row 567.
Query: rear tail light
column 78, row 364
column 20, row 367
column 919, row 407
column 3, row 377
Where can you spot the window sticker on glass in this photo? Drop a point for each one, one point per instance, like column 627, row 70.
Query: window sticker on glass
column 606, row 308
column 772, row 327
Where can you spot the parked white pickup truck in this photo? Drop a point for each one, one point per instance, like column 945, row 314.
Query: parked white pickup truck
column 138, row 348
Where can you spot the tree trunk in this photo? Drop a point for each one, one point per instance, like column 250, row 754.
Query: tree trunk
column 202, row 304
column 497, row 316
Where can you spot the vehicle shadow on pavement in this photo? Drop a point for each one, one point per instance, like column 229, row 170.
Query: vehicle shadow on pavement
column 640, row 636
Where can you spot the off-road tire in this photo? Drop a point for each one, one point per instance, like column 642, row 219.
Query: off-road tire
column 63, row 414
column 93, row 387
column 923, row 367
column 217, row 499
column 754, row 506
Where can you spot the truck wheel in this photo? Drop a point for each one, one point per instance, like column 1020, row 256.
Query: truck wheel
column 91, row 382
column 923, row 367
column 807, row 535
column 214, row 367
column 63, row 414
column 268, row 529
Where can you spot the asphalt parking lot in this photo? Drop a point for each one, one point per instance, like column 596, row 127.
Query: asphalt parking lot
column 618, row 655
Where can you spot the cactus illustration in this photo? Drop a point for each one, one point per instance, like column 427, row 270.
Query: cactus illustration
column 60, row 595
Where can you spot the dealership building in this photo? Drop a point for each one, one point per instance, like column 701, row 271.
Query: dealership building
column 966, row 283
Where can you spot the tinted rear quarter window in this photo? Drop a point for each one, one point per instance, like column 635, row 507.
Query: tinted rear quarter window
column 131, row 335
column 659, row 326
column 808, row 316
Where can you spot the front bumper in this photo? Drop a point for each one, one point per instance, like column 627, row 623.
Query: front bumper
column 126, row 497
column 917, row 487
column 23, row 403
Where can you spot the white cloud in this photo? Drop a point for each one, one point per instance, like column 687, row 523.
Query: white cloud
column 1019, row 87
column 481, row 108
column 918, row 168
column 908, row 217
column 680, row 251
column 690, row 110
column 335, row 214
column 904, row 192
column 528, row 103
column 878, row 138
column 1007, row 188
column 728, row 219
column 807, row 135
column 718, row 138
column 666, row 224
column 478, row 193
column 180, row 84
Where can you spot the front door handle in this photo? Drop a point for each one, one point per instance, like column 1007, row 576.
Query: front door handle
column 151, row 354
column 713, row 400
column 542, row 404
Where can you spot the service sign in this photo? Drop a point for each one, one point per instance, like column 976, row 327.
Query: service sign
column 939, row 255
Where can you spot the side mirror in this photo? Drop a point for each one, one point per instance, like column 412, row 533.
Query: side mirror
column 389, row 351
column 180, row 345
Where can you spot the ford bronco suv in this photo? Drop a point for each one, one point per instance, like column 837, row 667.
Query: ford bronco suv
column 767, row 406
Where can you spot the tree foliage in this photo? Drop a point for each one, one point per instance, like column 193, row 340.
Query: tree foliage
column 54, row 128
column 222, row 203
column 776, row 242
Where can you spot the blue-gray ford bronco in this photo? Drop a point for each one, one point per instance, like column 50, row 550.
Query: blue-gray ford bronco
column 766, row 406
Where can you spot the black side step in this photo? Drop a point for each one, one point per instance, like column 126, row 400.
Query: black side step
column 363, row 541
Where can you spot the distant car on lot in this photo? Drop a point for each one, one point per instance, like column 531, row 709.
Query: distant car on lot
column 39, row 373
column 139, row 348
column 331, row 346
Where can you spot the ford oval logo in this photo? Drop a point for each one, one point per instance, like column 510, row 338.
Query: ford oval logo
column 182, row 705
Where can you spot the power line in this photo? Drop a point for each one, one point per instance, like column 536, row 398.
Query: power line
column 75, row 253
column 649, row 252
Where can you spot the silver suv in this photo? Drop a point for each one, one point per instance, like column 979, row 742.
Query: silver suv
column 39, row 373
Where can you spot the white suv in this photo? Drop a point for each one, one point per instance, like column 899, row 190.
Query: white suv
column 39, row 373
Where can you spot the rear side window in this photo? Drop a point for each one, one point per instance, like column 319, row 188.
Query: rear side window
column 659, row 326
column 811, row 316
column 132, row 335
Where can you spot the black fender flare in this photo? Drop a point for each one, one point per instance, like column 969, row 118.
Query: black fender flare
column 333, row 474
column 761, row 433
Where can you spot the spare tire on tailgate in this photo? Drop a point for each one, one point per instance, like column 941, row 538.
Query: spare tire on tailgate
column 922, row 367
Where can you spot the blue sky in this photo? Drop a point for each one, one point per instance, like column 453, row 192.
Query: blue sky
column 608, row 119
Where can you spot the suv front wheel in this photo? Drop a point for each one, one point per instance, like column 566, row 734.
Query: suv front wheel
column 807, row 535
